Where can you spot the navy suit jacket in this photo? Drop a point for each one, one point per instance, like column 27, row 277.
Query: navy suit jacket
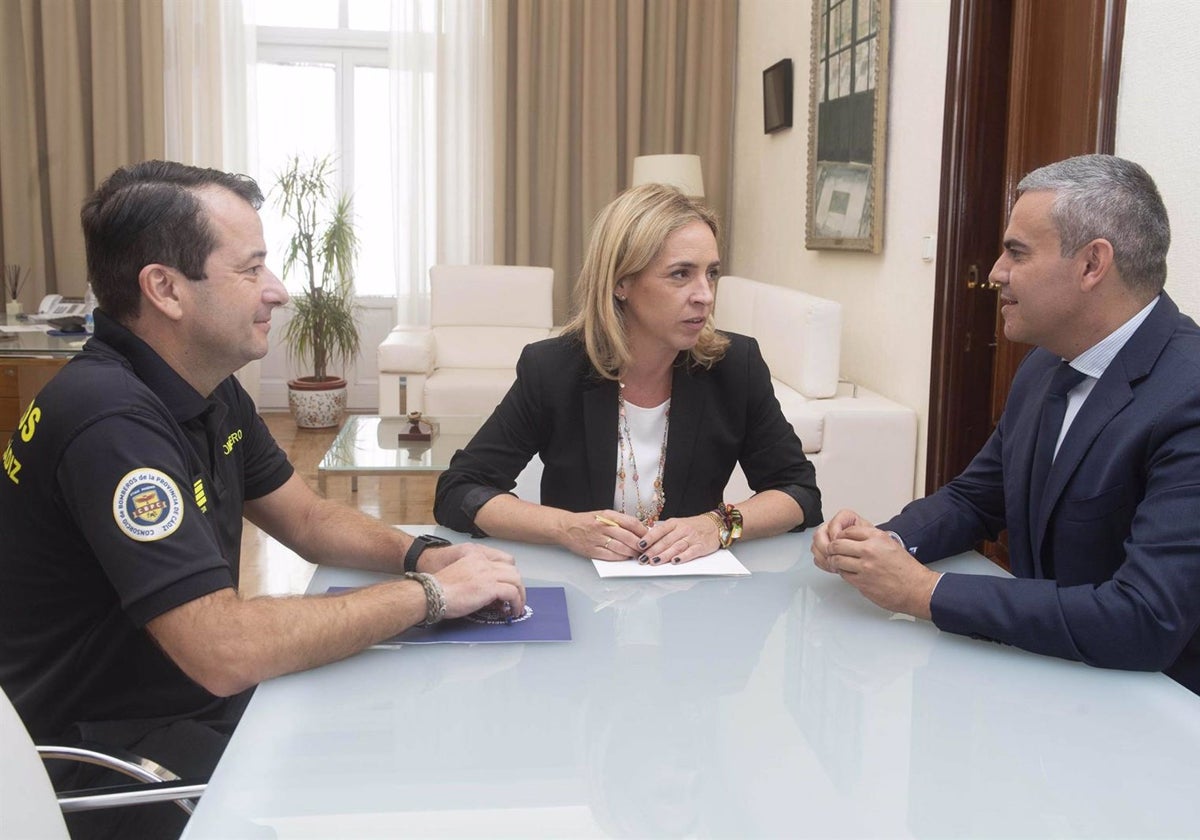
column 562, row 410
column 1120, row 515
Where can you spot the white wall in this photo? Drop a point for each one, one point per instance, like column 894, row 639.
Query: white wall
column 887, row 299
column 1158, row 124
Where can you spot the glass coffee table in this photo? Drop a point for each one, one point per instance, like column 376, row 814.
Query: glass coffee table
column 369, row 445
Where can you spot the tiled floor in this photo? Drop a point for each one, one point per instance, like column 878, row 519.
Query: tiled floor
column 395, row 499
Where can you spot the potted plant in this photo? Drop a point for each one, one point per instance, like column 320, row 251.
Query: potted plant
column 323, row 245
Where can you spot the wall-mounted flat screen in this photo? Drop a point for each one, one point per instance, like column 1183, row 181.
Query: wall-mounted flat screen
column 777, row 96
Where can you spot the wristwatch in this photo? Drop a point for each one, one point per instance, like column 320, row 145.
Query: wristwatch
column 419, row 544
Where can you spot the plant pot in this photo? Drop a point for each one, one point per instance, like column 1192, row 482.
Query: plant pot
column 317, row 403
column 13, row 308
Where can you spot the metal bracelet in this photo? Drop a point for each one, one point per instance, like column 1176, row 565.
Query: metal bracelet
column 435, row 597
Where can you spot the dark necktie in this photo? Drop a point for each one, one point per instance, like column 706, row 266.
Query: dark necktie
column 1054, row 408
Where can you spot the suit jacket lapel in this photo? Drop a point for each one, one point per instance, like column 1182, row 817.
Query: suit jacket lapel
column 1025, row 446
column 1109, row 396
column 600, row 440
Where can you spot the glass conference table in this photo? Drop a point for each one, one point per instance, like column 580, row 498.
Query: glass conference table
column 782, row 704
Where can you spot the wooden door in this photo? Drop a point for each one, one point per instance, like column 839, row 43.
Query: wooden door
column 1055, row 67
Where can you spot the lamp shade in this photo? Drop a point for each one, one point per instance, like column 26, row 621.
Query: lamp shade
column 681, row 171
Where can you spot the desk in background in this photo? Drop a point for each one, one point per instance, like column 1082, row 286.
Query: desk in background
column 27, row 362
column 781, row 704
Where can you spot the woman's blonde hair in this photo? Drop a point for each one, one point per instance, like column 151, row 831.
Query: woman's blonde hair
column 626, row 237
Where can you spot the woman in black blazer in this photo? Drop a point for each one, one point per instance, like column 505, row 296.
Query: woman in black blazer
column 639, row 410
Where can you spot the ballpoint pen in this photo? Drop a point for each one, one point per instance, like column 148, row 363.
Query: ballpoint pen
column 508, row 619
column 604, row 520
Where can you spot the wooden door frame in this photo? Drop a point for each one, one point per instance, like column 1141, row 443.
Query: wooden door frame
column 954, row 378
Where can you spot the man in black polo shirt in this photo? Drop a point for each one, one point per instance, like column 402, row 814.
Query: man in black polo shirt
column 123, row 492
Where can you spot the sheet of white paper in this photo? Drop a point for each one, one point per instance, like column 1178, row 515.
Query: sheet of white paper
column 31, row 328
column 720, row 562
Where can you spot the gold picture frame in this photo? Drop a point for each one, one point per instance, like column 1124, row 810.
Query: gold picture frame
column 847, row 125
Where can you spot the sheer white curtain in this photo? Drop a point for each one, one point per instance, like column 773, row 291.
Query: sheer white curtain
column 208, row 51
column 441, row 114
column 208, row 62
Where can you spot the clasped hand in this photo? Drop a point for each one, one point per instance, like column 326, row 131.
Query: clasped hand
column 608, row 535
column 874, row 564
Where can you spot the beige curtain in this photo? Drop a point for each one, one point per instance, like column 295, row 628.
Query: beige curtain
column 583, row 87
column 80, row 94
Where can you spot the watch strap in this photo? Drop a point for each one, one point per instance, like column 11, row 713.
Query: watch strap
column 419, row 544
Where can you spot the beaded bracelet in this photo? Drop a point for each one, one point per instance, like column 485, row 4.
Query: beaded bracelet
column 735, row 523
column 435, row 597
column 729, row 524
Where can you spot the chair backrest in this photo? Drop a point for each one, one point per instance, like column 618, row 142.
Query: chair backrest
column 491, row 295
column 800, row 334
column 483, row 315
column 28, row 805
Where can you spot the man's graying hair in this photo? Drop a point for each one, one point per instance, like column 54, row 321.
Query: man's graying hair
column 1107, row 197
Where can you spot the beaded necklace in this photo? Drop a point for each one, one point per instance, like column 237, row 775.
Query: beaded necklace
column 647, row 516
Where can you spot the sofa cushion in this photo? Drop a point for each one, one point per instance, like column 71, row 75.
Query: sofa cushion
column 483, row 295
column 806, row 416
column 410, row 351
column 799, row 334
column 466, row 391
column 483, row 347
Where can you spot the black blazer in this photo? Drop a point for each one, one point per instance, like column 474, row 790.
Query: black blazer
column 561, row 409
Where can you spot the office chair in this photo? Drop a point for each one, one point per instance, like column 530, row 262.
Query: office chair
column 29, row 806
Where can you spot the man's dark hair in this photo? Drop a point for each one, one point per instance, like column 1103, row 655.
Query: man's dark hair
column 148, row 213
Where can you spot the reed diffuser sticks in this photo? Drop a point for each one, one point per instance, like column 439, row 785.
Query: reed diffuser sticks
column 14, row 280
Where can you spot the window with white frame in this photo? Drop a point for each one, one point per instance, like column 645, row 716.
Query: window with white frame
column 322, row 88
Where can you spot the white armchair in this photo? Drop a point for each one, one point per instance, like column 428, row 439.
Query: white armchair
column 481, row 317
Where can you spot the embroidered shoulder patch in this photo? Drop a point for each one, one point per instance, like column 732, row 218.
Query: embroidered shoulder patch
column 147, row 505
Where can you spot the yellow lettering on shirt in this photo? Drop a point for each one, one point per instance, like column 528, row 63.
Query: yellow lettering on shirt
column 29, row 421
column 11, row 465
column 231, row 440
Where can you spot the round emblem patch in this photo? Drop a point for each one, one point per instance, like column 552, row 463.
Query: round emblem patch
column 147, row 505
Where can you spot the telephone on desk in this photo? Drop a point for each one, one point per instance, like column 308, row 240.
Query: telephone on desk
column 57, row 306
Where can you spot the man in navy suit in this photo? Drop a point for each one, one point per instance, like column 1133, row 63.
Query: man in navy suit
column 1104, row 521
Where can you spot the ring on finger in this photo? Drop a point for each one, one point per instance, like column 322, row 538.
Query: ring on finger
column 606, row 542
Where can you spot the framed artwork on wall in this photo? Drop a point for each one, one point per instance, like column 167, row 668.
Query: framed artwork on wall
column 847, row 126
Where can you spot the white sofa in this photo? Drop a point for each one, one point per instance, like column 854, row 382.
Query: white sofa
column 463, row 363
column 862, row 444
